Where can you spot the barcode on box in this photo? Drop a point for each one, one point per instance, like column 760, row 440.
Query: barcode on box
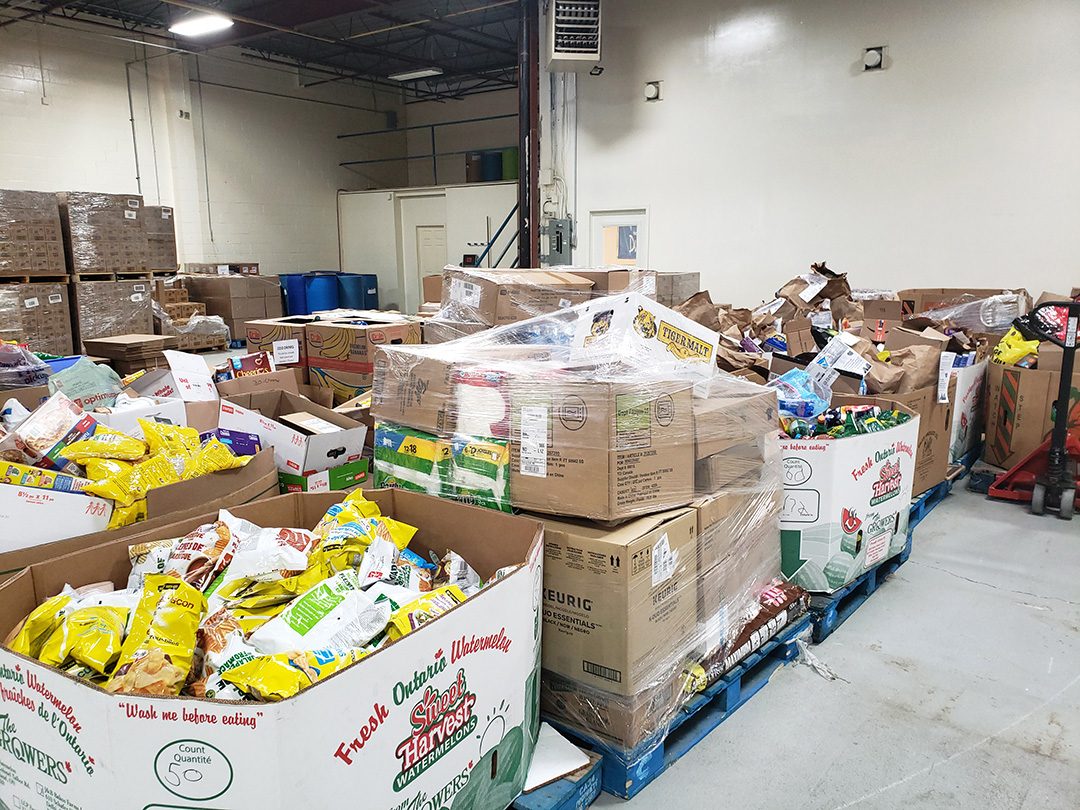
column 600, row 671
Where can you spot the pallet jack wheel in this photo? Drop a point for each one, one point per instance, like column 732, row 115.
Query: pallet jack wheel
column 1068, row 503
column 1038, row 499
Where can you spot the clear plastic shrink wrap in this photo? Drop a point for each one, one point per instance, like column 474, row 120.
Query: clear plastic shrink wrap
column 30, row 240
column 612, row 411
column 104, row 233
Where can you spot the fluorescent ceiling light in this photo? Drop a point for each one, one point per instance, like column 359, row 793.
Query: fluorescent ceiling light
column 419, row 73
column 197, row 25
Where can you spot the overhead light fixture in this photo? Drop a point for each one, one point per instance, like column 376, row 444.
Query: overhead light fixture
column 198, row 25
column 419, row 73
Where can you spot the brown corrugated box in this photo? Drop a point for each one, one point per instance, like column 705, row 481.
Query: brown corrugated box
column 262, row 334
column 31, row 239
column 103, row 233
column 38, row 315
column 236, row 299
column 497, row 297
column 341, row 354
column 160, row 237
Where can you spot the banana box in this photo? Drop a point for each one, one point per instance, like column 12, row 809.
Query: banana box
column 341, row 353
column 282, row 339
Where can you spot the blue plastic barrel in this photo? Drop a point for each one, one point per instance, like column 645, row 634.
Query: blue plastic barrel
column 371, row 291
column 321, row 291
column 351, row 288
column 491, row 166
column 295, row 294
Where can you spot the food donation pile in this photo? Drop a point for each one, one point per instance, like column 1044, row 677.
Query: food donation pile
column 234, row 611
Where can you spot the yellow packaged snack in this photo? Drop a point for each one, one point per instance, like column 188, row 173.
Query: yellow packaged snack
column 105, row 443
column 1013, row 348
column 419, row 611
column 276, row 677
column 99, row 468
column 126, row 515
column 165, row 438
column 210, row 458
column 157, row 655
column 126, row 488
column 354, row 507
column 35, row 630
column 246, row 597
column 90, row 636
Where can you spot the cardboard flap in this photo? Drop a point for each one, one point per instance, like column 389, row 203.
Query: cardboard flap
column 288, row 379
column 200, row 491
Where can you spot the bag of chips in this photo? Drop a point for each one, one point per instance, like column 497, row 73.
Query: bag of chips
column 157, row 655
column 212, row 457
column 276, row 677
column 148, row 558
column 195, row 555
column 29, row 637
column 429, row 606
column 90, row 636
column 453, row 570
column 173, row 439
column 220, row 647
column 105, row 443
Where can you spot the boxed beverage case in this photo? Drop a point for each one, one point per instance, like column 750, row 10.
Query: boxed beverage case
column 104, row 233
column 38, row 315
column 160, row 237
column 341, row 353
column 846, row 503
column 107, row 308
column 497, row 297
column 31, row 242
column 448, row 711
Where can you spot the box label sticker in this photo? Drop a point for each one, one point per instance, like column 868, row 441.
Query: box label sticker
column 534, row 441
column 130, row 215
column 664, row 560
column 467, row 292
column 30, row 303
column 633, row 422
column 564, row 303
column 133, row 203
column 55, row 298
column 944, row 374
column 166, row 213
column 136, row 297
column 139, row 288
column 286, row 351
column 223, row 269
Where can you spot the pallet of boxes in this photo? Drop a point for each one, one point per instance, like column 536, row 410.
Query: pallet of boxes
column 176, row 315
column 657, row 480
column 234, row 298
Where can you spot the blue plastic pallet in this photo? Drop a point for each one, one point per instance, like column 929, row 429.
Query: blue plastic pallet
column 627, row 774
column 829, row 611
column 573, row 793
column 237, row 344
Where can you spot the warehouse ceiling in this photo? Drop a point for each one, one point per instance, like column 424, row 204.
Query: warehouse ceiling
column 473, row 42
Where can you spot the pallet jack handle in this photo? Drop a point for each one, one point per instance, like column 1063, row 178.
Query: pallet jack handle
column 1056, row 322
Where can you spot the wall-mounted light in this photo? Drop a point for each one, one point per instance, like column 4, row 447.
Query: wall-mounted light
column 412, row 75
column 199, row 25
column 874, row 58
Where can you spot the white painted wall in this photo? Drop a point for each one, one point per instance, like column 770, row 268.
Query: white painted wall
column 956, row 166
column 478, row 136
column 267, row 188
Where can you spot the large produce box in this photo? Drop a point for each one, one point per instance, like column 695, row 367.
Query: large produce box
column 1019, row 407
column 846, row 503
column 446, row 717
column 341, row 353
column 54, row 533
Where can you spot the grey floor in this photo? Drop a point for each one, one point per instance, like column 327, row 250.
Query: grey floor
column 961, row 687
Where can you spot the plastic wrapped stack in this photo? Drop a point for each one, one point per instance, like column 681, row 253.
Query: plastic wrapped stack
column 160, row 237
column 103, row 233
column 656, row 475
column 30, row 236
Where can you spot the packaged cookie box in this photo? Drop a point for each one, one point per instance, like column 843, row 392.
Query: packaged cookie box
column 445, row 718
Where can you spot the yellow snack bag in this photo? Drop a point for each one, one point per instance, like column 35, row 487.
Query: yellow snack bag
column 423, row 609
column 246, row 597
column 35, row 630
column 126, row 488
column 210, row 458
column 276, row 677
column 356, row 501
column 105, row 443
column 91, row 636
column 1013, row 348
column 126, row 515
column 165, row 438
column 99, row 468
column 157, row 655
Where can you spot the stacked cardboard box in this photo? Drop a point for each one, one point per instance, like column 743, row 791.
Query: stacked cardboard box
column 107, row 308
column 131, row 353
column 160, row 237
column 38, row 315
column 31, row 242
column 236, row 299
column 103, row 233
column 222, row 269
column 170, row 291
column 281, row 338
column 340, row 353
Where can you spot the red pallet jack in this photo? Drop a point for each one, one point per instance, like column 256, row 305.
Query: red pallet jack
column 1047, row 478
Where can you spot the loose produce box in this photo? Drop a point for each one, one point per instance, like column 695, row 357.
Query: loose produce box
column 295, row 451
column 846, row 504
column 446, row 717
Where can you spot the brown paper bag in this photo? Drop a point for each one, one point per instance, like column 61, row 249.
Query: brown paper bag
column 700, row 309
column 920, row 365
column 883, row 378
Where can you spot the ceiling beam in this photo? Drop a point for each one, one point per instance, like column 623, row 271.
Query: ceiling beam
column 43, row 12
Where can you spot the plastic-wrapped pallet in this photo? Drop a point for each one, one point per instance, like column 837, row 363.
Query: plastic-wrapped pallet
column 103, row 233
column 107, row 308
column 37, row 315
column 195, row 332
column 30, row 235
column 160, row 237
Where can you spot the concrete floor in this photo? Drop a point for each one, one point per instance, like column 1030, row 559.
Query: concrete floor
column 961, row 687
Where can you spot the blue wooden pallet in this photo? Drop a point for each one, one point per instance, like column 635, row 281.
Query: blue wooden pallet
column 626, row 774
column 829, row 611
column 923, row 504
column 237, row 344
column 576, row 792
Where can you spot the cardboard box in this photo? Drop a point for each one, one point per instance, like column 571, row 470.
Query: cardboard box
column 474, row 670
column 38, row 315
column 879, row 317
column 184, row 310
column 800, row 339
column 236, row 299
column 615, row 281
column 432, row 288
column 439, row 330
column 294, row 452
column 254, row 481
column 287, row 379
column 901, row 337
column 674, row 288
column 282, row 338
column 33, row 517
column 106, row 308
column 161, row 410
column 968, row 398
column 160, row 237
column 1019, row 404
column 846, row 504
column 347, row 476
column 185, row 376
column 622, row 721
column 341, row 353
column 620, row 605
column 31, row 242
column 600, row 447
column 222, row 269
column 497, row 297
column 103, row 233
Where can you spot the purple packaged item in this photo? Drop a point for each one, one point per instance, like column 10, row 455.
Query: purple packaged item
column 242, row 444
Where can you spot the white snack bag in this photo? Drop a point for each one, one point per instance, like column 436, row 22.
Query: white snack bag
column 462, row 574
column 270, row 554
column 378, row 561
column 334, row 615
column 148, row 558
column 396, row 593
